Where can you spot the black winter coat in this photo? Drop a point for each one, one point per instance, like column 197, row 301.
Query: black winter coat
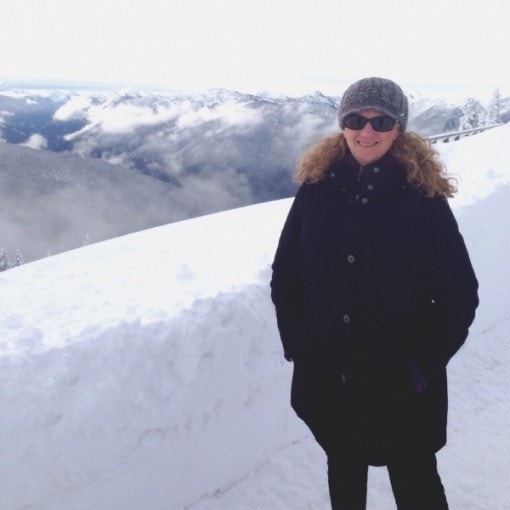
column 374, row 293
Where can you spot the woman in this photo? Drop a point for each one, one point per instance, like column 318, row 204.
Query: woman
column 374, row 293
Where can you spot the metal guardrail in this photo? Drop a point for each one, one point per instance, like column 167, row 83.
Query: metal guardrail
column 457, row 135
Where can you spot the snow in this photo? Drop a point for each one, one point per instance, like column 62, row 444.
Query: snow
column 145, row 372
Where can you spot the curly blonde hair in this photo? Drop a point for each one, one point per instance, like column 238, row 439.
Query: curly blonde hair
column 415, row 153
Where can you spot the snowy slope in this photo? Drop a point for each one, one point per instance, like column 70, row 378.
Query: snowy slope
column 145, row 372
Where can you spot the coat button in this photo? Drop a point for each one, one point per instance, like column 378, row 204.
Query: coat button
column 376, row 169
column 370, row 187
column 351, row 259
column 364, row 200
column 346, row 318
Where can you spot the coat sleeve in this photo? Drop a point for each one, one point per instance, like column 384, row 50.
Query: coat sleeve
column 452, row 288
column 286, row 290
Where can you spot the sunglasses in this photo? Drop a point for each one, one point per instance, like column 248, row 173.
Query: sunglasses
column 357, row 122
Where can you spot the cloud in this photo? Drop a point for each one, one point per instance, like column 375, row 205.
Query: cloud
column 74, row 106
column 116, row 119
column 36, row 141
column 231, row 113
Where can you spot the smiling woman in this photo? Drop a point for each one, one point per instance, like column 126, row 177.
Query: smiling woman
column 372, row 114
column 374, row 293
column 367, row 136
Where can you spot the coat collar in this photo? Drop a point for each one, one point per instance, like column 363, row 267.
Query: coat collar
column 381, row 174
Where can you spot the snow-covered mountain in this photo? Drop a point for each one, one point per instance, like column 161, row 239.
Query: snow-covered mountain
column 194, row 154
column 142, row 129
column 456, row 111
column 145, row 372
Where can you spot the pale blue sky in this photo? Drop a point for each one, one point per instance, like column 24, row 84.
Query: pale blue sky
column 285, row 46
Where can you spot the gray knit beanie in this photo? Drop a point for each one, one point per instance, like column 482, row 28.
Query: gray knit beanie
column 378, row 93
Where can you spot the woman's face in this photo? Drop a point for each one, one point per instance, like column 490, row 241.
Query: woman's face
column 368, row 145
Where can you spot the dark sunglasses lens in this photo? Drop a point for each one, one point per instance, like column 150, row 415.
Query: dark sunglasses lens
column 355, row 122
column 382, row 123
column 358, row 122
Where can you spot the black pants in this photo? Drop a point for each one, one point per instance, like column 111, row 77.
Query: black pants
column 414, row 480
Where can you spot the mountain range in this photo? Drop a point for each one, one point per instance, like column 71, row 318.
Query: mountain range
column 107, row 163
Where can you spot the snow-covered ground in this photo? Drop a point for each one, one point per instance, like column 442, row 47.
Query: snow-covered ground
column 145, row 372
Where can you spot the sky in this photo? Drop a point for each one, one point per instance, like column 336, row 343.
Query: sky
column 284, row 47
column 147, row 372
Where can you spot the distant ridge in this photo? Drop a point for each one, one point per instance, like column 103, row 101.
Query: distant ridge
column 113, row 162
